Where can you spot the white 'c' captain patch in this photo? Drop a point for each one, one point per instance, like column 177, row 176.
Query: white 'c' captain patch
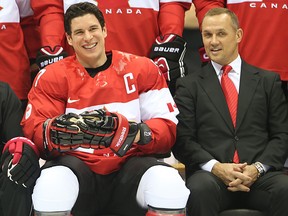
column 130, row 88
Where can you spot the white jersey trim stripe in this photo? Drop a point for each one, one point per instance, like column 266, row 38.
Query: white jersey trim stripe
column 156, row 102
column 129, row 109
column 242, row 1
column 153, row 101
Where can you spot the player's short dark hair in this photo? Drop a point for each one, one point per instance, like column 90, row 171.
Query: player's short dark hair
column 81, row 9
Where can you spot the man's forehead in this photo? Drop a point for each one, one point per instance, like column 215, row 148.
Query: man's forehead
column 219, row 18
column 90, row 20
column 215, row 23
column 213, row 29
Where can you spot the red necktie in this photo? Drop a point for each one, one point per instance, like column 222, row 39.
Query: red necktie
column 231, row 96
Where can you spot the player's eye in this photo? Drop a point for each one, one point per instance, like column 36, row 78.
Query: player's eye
column 78, row 32
column 207, row 35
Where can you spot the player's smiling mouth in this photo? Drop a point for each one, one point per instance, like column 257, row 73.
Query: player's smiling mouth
column 90, row 46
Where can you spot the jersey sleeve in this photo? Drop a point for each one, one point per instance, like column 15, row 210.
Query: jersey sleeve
column 171, row 17
column 202, row 6
column 50, row 18
column 46, row 99
column 31, row 36
column 158, row 111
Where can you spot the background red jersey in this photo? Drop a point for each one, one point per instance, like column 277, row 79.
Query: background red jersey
column 132, row 25
column 264, row 23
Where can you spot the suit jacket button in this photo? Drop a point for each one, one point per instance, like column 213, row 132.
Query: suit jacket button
column 236, row 138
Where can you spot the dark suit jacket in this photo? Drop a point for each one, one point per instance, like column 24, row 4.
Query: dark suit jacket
column 205, row 129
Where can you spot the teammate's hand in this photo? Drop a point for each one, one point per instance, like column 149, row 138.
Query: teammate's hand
column 20, row 161
column 48, row 55
column 168, row 53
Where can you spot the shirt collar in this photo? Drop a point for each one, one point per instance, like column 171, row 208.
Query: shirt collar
column 236, row 66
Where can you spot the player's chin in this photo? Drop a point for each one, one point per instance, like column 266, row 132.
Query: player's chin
column 88, row 55
column 216, row 57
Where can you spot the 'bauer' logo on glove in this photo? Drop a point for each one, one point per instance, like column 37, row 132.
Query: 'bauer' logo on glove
column 48, row 55
column 168, row 53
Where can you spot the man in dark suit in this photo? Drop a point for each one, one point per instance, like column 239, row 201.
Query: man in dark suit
column 232, row 162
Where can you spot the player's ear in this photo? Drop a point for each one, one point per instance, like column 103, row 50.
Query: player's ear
column 105, row 31
column 239, row 34
column 69, row 39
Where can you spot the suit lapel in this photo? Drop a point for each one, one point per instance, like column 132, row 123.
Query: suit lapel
column 248, row 83
column 211, row 85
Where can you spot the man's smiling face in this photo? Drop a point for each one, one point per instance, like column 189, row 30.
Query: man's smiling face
column 221, row 38
column 88, row 40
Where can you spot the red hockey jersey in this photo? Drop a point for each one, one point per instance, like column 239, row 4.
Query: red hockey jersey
column 264, row 23
column 132, row 86
column 14, row 62
column 132, row 25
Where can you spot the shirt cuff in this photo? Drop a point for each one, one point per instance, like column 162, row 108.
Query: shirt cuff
column 265, row 167
column 209, row 165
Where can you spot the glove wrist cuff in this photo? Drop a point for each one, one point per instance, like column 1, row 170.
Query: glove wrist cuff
column 46, row 135
column 20, row 140
column 145, row 134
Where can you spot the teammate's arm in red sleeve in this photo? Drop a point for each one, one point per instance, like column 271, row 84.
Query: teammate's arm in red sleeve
column 31, row 36
column 202, row 6
column 171, row 17
column 50, row 18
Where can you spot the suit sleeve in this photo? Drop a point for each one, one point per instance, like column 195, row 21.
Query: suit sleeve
column 50, row 18
column 276, row 151
column 186, row 149
column 11, row 113
column 202, row 6
column 171, row 17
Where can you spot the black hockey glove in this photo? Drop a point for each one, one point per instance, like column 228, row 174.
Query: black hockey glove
column 48, row 55
column 20, row 161
column 62, row 133
column 95, row 129
column 168, row 53
column 105, row 129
